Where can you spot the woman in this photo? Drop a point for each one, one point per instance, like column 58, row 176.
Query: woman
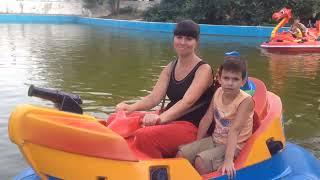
column 187, row 82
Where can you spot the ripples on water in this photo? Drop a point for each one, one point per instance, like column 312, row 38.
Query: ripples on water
column 105, row 66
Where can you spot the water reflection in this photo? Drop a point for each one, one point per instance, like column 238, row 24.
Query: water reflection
column 295, row 77
column 282, row 66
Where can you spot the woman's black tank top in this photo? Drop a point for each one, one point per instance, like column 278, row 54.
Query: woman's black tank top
column 177, row 89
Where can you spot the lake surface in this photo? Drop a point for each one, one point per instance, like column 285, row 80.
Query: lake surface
column 105, row 66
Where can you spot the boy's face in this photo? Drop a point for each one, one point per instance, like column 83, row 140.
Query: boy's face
column 231, row 81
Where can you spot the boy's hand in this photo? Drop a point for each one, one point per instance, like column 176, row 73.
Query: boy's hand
column 228, row 168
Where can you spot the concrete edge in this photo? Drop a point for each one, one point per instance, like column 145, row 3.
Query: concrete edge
column 226, row 30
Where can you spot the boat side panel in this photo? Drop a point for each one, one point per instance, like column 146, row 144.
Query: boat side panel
column 66, row 165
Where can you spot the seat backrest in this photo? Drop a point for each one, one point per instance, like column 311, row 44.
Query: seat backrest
column 260, row 99
column 258, row 93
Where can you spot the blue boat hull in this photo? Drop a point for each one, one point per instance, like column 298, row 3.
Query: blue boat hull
column 293, row 163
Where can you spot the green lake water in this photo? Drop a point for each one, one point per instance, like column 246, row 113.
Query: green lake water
column 105, row 66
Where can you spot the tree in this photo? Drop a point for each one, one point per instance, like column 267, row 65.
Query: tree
column 114, row 5
column 241, row 12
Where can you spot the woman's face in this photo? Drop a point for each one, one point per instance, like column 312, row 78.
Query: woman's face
column 184, row 45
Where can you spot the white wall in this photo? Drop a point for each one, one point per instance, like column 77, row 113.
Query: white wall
column 65, row 7
column 41, row 7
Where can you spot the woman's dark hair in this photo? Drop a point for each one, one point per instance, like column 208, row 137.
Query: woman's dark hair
column 187, row 28
column 235, row 65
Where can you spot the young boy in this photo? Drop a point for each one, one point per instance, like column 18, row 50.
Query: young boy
column 232, row 110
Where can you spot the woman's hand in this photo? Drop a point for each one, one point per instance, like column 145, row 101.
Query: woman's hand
column 228, row 168
column 124, row 107
column 151, row 120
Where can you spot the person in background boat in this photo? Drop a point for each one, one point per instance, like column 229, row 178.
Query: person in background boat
column 187, row 81
column 231, row 110
column 313, row 20
column 297, row 29
column 317, row 25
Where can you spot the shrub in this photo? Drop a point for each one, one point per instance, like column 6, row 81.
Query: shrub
column 242, row 12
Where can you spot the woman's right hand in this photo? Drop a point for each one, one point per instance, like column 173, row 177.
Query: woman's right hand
column 124, row 107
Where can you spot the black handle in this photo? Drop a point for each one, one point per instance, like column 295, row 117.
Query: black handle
column 64, row 101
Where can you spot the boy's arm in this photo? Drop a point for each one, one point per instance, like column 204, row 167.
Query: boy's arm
column 206, row 121
column 244, row 110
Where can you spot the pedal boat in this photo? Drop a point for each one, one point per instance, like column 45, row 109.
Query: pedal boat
column 285, row 42
column 67, row 145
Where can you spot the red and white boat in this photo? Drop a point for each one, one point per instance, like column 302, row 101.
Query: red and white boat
column 285, row 42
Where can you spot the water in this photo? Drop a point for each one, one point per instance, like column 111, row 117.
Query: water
column 105, row 66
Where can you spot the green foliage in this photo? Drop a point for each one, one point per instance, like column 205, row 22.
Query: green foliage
column 242, row 12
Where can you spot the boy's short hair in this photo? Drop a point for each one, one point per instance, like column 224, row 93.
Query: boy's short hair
column 187, row 28
column 235, row 65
